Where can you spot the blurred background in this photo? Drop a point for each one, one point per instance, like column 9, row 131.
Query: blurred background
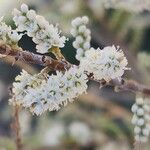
column 100, row 120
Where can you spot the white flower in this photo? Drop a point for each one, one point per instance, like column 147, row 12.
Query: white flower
column 14, row 36
column 31, row 14
column 108, row 63
column 7, row 35
column 140, row 122
column 76, row 22
column 85, row 19
column 24, row 8
column 42, row 47
column 140, row 112
column 82, row 35
column 134, row 108
column 38, row 28
column 82, row 29
column 137, row 130
column 42, row 22
column 86, row 45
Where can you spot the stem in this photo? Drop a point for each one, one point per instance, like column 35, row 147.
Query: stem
column 16, row 128
column 32, row 58
column 130, row 85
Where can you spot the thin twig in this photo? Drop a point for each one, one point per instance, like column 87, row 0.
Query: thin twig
column 16, row 128
column 32, row 58
column 130, row 85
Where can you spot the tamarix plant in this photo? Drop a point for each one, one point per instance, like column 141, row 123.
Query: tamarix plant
column 48, row 91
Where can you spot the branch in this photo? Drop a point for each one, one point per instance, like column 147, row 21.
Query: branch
column 16, row 129
column 130, row 85
column 26, row 56
column 32, row 58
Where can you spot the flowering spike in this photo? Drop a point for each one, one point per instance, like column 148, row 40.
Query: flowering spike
column 40, row 94
column 141, row 118
column 82, row 36
column 45, row 35
column 108, row 63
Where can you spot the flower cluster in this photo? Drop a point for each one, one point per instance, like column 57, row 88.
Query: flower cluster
column 141, row 119
column 45, row 35
column 82, row 36
column 7, row 35
column 129, row 5
column 39, row 94
column 24, row 82
column 42, row 92
column 108, row 63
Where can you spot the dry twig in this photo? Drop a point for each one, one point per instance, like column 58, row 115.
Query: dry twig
column 16, row 128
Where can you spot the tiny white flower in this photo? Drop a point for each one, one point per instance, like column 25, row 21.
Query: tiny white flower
column 82, row 35
column 80, row 51
column 85, row 19
column 140, row 112
column 79, row 39
column 42, row 48
column 41, row 21
column 137, row 130
column 86, row 45
column 31, row 14
column 14, row 36
column 76, row 44
column 134, row 108
column 140, row 122
column 24, row 8
column 38, row 110
column 82, row 29
column 76, row 22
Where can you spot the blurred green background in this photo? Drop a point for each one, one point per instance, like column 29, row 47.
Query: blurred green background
column 99, row 120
